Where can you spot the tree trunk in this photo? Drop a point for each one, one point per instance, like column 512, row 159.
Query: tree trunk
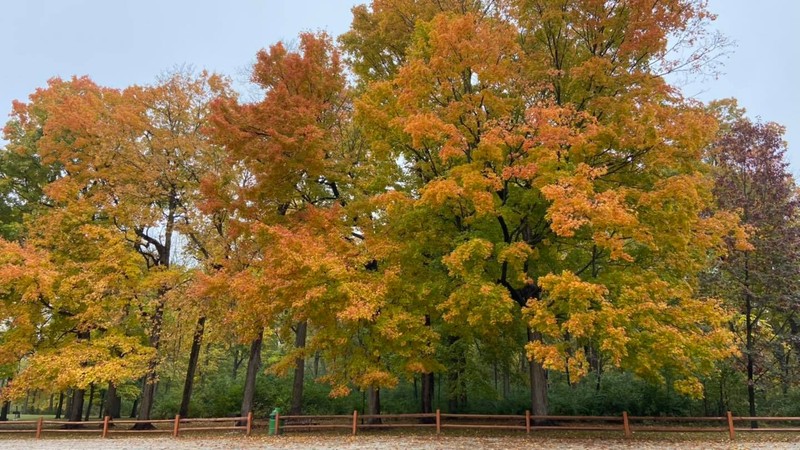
column 60, row 407
column 6, row 405
column 76, row 405
column 721, row 404
column 452, row 391
column 428, row 380
column 538, row 379
column 69, row 403
column 113, row 404
column 506, row 380
column 374, row 404
column 456, row 375
column 134, row 407
column 149, row 389
column 253, row 365
column 427, row 385
column 102, row 398
column 299, row 370
column 4, row 411
column 749, row 343
column 89, row 406
column 164, row 250
column 194, row 354
column 238, row 357
column 751, row 385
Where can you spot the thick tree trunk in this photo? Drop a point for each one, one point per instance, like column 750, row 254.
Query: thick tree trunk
column 299, row 370
column 112, row 406
column 538, row 379
column 253, row 365
column 4, row 411
column 374, row 404
column 194, row 354
column 427, row 392
column 76, row 405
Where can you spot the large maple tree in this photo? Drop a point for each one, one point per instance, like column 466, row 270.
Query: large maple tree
column 554, row 167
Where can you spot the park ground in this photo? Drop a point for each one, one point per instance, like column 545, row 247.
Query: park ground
column 412, row 442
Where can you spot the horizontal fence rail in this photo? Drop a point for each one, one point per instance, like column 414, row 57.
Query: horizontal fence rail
column 109, row 426
column 625, row 424
column 439, row 421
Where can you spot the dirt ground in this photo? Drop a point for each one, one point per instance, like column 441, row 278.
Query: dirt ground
column 399, row 442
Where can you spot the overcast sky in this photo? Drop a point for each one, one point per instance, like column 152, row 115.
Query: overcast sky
column 123, row 42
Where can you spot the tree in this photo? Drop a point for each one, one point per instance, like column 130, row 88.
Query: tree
column 71, row 309
column 752, row 177
column 136, row 156
column 285, row 145
column 555, row 166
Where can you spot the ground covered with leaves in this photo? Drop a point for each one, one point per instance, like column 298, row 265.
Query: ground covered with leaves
column 404, row 442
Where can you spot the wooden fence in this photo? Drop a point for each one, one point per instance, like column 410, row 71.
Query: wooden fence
column 625, row 424
column 109, row 426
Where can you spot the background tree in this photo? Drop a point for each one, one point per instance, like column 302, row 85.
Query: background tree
column 752, row 177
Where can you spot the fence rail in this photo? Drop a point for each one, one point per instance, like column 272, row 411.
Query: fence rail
column 285, row 423
column 625, row 424
column 108, row 426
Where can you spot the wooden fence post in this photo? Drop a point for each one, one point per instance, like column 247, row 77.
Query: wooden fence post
column 626, row 425
column 438, row 421
column 105, row 426
column 355, row 421
column 528, row 421
column 39, row 427
column 176, row 429
column 278, row 423
column 731, row 431
column 250, row 424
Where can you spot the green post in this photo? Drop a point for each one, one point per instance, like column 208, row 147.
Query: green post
column 273, row 425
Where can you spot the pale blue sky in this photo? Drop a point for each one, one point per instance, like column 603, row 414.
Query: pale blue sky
column 123, row 42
